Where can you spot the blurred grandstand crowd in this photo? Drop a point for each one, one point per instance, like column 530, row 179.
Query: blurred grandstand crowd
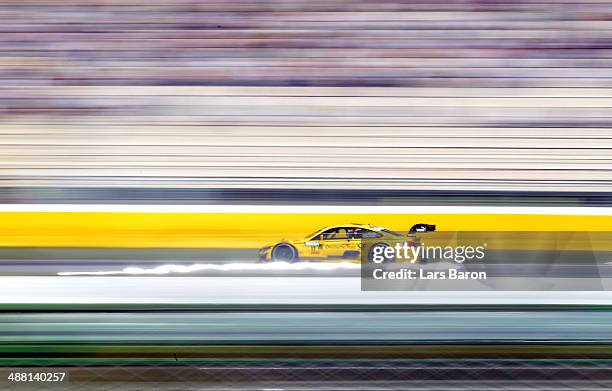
column 339, row 94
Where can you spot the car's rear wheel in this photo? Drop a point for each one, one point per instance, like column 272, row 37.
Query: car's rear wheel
column 284, row 253
column 377, row 253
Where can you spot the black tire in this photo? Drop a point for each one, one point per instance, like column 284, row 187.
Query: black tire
column 284, row 252
column 371, row 253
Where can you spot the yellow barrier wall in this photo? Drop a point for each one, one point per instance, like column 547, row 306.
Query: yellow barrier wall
column 244, row 230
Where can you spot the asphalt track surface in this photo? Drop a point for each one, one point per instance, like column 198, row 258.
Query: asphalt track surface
column 306, row 327
column 22, row 290
column 191, row 350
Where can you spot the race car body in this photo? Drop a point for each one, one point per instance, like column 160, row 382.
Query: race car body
column 337, row 242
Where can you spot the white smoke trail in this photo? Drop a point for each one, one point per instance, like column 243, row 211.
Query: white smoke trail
column 230, row 267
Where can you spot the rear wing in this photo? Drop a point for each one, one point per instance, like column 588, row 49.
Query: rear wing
column 421, row 228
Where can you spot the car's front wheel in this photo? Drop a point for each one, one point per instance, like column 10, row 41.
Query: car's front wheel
column 284, row 253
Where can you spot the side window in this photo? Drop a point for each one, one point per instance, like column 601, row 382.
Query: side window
column 327, row 235
column 367, row 234
column 346, row 233
column 334, row 234
column 354, row 233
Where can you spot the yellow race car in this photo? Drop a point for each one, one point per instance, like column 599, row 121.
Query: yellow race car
column 338, row 242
